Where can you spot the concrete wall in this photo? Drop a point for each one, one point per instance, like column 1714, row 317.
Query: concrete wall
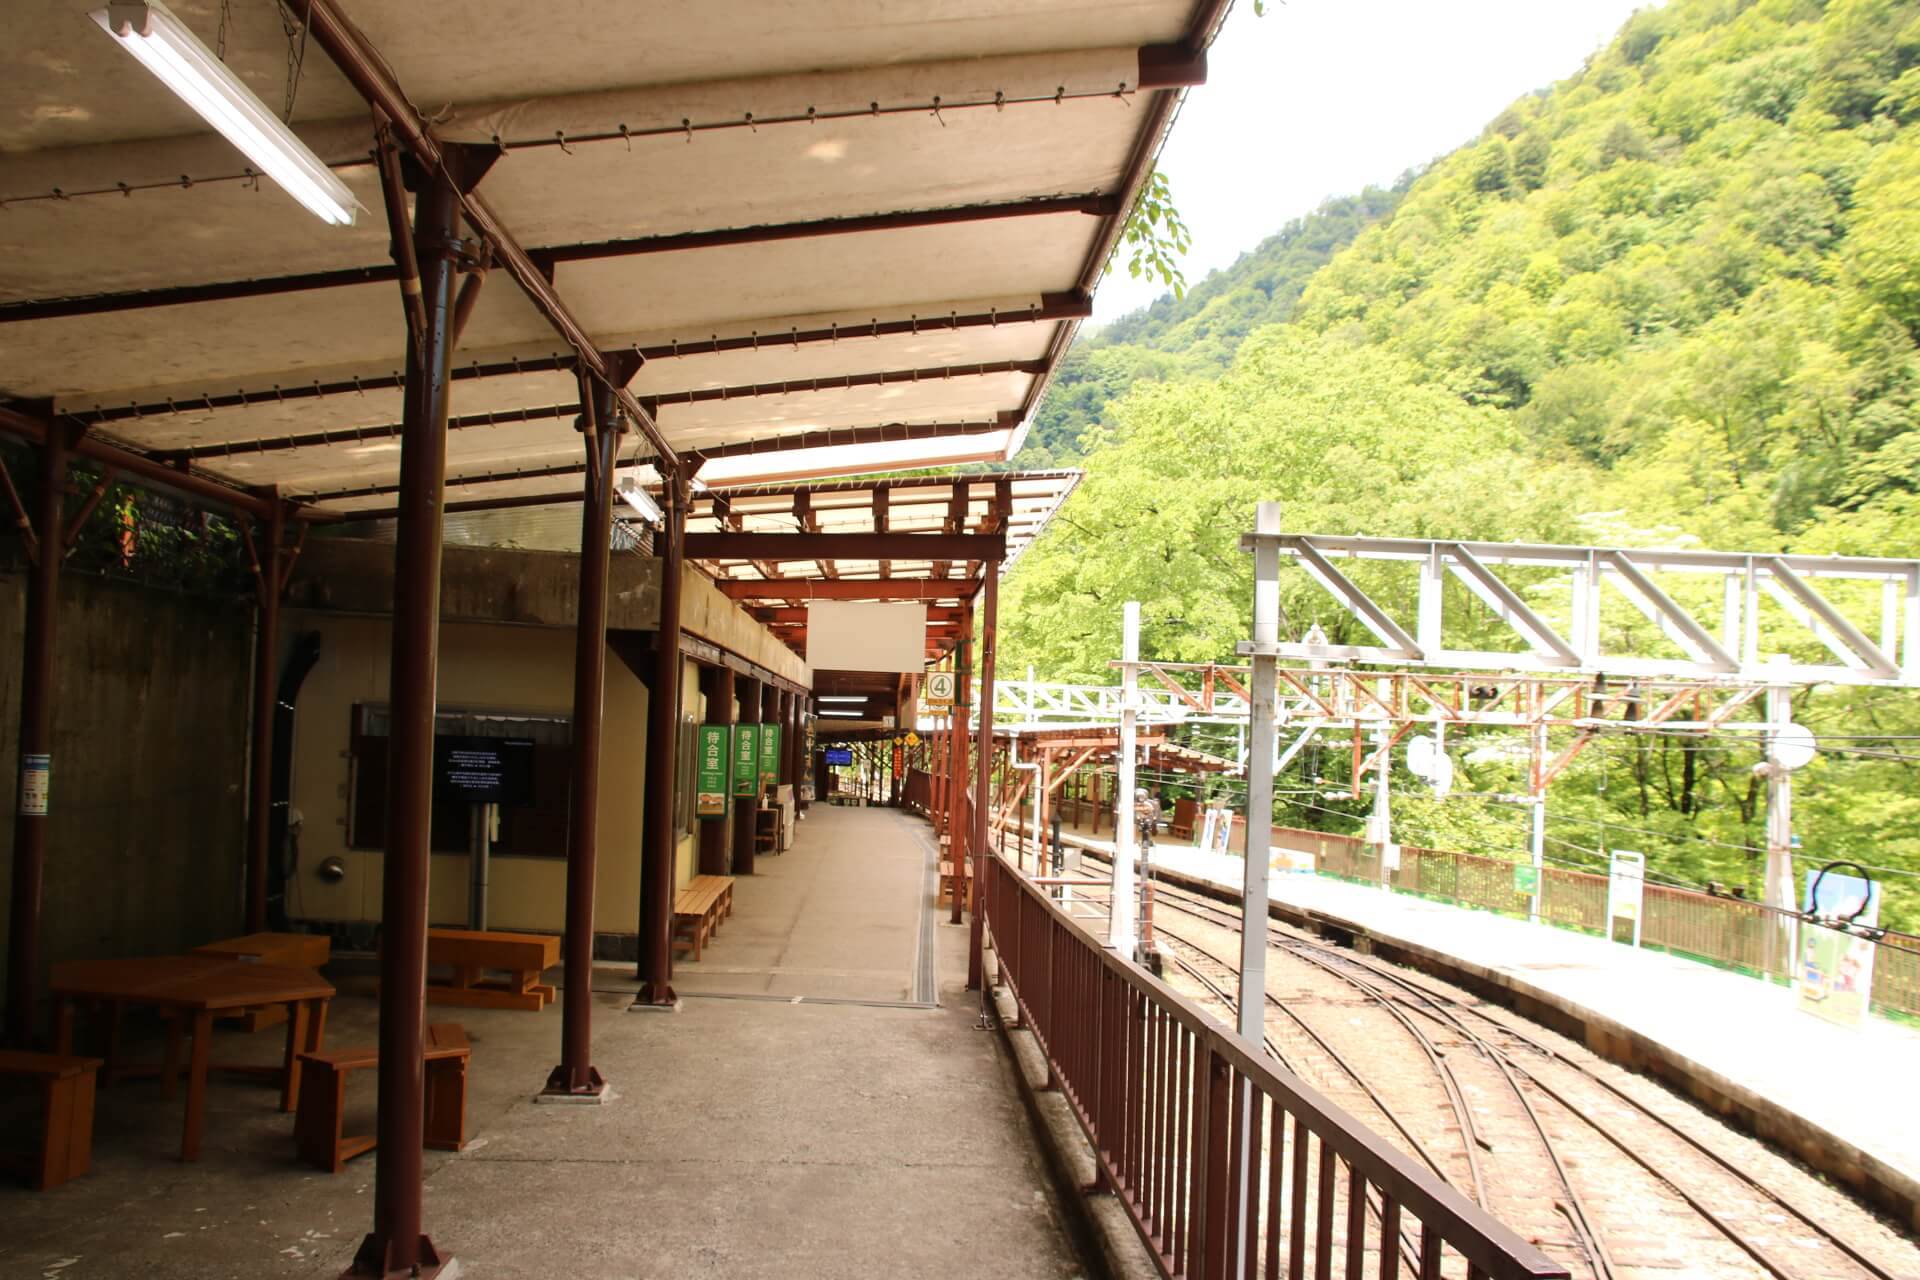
column 483, row 667
column 146, row 839
column 506, row 645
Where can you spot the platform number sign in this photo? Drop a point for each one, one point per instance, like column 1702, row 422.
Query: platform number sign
column 746, row 759
column 711, row 761
column 940, row 690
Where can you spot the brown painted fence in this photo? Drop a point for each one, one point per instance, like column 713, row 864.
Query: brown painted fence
column 1180, row 1112
column 1723, row 931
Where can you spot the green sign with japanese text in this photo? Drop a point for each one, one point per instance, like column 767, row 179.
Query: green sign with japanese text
column 1526, row 880
column 746, row 759
column 710, row 763
column 769, row 754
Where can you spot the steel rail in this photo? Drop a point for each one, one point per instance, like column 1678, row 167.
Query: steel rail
column 1471, row 1140
column 1443, row 1009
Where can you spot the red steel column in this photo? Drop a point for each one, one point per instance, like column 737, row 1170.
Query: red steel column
column 957, row 825
column 658, row 841
column 983, row 775
column 603, row 424
column 266, row 646
column 752, row 698
column 36, row 742
column 797, row 752
column 397, row 1247
column 717, row 684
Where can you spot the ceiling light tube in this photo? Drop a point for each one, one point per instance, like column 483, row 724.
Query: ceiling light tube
column 845, row 715
column 641, row 501
column 168, row 48
column 841, row 697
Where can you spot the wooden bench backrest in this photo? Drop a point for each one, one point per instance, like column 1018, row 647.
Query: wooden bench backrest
column 524, row 951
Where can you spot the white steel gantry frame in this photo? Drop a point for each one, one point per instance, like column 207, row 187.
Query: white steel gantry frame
column 1739, row 647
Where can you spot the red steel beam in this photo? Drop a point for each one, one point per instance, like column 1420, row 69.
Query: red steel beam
column 852, row 589
column 846, row 546
column 369, row 73
column 156, row 473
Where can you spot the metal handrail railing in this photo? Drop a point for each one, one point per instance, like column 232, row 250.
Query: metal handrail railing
column 1181, row 1113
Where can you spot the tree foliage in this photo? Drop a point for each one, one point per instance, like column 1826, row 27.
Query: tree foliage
column 1673, row 298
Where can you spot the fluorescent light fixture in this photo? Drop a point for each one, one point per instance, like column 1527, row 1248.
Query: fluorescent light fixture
column 841, row 697
column 846, row 715
column 641, row 501
column 167, row 47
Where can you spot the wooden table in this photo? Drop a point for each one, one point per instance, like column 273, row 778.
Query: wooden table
column 199, row 988
column 299, row 950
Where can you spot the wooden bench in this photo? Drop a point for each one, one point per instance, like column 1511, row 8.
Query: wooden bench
column 521, row 957
column 66, row 1086
column 946, row 883
column 698, row 910
column 318, row 1125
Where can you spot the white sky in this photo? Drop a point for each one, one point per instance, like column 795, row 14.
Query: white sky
column 1321, row 97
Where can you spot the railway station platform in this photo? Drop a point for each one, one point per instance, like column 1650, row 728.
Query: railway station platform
column 1839, row 1098
column 822, row 1104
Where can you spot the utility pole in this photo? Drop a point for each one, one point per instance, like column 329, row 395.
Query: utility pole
column 1537, row 802
column 1382, row 824
column 1778, row 890
column 1121, row 922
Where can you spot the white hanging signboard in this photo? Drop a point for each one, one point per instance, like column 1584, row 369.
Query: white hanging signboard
column 939, row 691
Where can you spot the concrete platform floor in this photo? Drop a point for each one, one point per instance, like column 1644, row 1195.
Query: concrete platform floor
column 760, row 1131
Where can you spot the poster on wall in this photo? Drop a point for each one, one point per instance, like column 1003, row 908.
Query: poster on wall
column 769, row 754
column 711, row 761
column 36, row 777
column 746, row 759
column 1836, row 968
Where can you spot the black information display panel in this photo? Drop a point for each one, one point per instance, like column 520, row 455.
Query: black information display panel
column 483, row 770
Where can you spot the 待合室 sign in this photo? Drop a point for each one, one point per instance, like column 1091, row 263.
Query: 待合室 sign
column 746, row 759
column 483, row 770
column 769, row 754
column 710, row 764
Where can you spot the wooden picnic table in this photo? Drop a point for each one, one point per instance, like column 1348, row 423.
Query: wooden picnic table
column 199, row 988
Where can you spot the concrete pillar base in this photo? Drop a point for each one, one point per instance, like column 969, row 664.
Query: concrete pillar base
column 645, row 1006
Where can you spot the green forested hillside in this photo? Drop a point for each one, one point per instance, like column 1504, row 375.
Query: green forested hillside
column 1196, row 335
column 1674, row 297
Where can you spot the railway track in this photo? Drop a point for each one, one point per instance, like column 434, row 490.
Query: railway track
column 1534, row 1124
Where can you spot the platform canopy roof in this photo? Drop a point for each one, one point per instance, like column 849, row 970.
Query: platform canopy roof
column 845, row 236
